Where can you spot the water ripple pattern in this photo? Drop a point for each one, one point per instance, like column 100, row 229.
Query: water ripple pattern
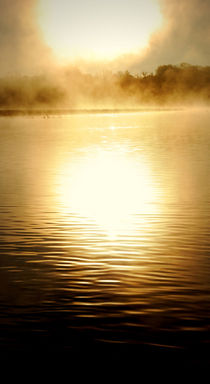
column 104, row 232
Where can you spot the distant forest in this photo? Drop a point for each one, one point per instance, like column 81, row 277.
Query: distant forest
column 182, row 84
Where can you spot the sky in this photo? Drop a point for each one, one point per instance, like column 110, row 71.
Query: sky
column 138, row 35
column 97, row 29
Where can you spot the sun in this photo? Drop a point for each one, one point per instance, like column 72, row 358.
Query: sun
column 97, row 29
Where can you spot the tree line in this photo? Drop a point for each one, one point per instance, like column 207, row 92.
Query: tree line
column 167, row 85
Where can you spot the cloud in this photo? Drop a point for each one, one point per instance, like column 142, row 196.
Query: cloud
column 183, row 37
column 21, row 47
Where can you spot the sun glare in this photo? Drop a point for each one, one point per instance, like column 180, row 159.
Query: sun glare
column 93, row 29
column 109, row 189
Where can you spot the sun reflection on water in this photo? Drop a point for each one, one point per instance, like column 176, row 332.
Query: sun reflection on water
column 109, row 187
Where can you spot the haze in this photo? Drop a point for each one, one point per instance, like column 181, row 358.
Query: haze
column 94, row 29
column 104, row 53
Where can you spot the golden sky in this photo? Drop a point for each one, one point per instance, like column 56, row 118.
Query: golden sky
column 134, row 35
column 97, row 29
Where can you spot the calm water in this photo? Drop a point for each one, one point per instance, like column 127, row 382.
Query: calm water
column 104, row 234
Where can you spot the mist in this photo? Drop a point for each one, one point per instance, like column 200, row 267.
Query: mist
column 172, row 70
column 22, row 50
column 183, row 37
column 169, row 85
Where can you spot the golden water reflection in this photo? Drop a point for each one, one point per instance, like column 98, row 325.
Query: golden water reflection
column 109, row 187
column 105, row 227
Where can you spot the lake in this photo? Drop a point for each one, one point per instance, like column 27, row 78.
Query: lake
column 104, row 235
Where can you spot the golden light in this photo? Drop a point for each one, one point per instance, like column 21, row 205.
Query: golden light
column 94, row 29
column 108, row 187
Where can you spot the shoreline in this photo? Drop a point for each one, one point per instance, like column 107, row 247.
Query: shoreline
column 69, row 111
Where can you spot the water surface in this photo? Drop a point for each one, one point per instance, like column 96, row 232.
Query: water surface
column 104, row 234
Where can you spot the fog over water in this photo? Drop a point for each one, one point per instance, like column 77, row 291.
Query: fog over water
column 171, row 86
column 105, row 195
column 172, row 70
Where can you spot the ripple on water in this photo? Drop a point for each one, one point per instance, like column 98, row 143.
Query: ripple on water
column 134, row 271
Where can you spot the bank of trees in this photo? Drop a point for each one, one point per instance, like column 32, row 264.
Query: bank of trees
column 168, row 85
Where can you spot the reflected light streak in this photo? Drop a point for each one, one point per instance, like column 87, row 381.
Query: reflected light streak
column 110, row 188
